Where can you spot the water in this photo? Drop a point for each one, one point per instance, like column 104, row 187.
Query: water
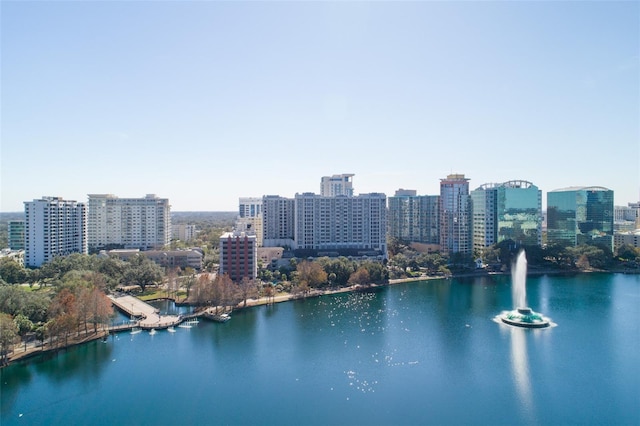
column 418, row 353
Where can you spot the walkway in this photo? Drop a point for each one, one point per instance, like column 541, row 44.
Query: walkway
column 149, row 317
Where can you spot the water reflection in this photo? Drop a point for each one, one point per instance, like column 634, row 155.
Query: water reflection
column 520, row 370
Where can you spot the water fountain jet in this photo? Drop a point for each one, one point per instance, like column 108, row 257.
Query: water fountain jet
column 522, row 316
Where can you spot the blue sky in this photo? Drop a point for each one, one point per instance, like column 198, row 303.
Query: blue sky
column 204, row 102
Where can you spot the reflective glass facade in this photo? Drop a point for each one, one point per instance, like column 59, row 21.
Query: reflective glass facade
column 581, row 215
column 519, row 213
column 507, row 211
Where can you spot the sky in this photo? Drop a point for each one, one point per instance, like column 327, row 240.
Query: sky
column 204, row 102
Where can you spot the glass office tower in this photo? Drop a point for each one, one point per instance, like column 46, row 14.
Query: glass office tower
column 580, row 215
column 507, row 211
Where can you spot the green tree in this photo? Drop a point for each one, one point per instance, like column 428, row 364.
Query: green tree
column 12, row 272
column 627, row 252
column 8, row 336
column 142, row 271
column 24, row 326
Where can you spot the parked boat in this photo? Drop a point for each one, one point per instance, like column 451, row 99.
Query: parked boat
column 153, row 331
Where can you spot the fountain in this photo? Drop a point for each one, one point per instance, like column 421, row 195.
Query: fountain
column 522, row 316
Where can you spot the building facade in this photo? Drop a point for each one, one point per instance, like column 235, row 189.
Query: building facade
column 130, row 223
column 455, row 215
column 238, row 255
column 53, row 227
column 333, row 186
column 183, row 232
column 580, row 215
column 250, row 207
column 15, row 231
column 341, row 224
column 187, row 258
column 277, row 221
column 413, row 218
column 507, row 211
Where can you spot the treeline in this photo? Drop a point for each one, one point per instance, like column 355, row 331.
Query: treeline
column 65, row 297
column 404, row 260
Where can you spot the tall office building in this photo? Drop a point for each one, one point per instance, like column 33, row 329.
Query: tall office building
column 15, row 230
column 332, row 186
column 277, row 221
column 53, row 227
column 580, row 215
column 507, row 211
column 334, row 224
column 413, row 218
column 455, row 215
column 130, row 223
column 238, row 255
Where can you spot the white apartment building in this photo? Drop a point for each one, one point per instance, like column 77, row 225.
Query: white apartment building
column 53, row 227
column 142, row 223
column 332, row 186
column 338, row 223
column 277, row 221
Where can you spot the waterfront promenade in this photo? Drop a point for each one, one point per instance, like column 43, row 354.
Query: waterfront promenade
column 146, row 315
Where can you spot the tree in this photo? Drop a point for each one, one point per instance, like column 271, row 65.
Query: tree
column 8, row 336
column 248, row 289
column 311, row 274
column 360, row 277
column 63, row 314
column 12, row 272
column 142, row 271
column 101, row 308
column 24, row 326
column 628, row 252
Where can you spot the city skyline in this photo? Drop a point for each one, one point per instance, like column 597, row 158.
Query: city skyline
column 206, row 102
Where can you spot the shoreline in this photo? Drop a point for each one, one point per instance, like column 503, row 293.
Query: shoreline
column 288, row 297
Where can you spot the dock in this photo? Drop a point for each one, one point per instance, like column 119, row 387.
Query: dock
column 145, row 315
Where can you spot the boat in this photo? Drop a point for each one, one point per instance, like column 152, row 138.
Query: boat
column 153, row 331
column 221, row 317
column 136, row 330
column 171, row 329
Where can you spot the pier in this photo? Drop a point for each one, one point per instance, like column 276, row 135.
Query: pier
column 147, row 317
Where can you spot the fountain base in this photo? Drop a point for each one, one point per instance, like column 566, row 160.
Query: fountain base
column 524, row 317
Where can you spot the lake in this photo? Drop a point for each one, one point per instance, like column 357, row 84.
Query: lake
column 427, row 352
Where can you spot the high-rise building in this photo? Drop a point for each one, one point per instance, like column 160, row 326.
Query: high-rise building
column 332, row 186
column 250, row 217
column 250, row 207
column 15, row 230
column 413, row 218
column 334, row 224
column 455, row 215
column 277, row 221
column 507, row 211
column 580, row 215
column 238, row 255
column 130, row 223
column 53, row 227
